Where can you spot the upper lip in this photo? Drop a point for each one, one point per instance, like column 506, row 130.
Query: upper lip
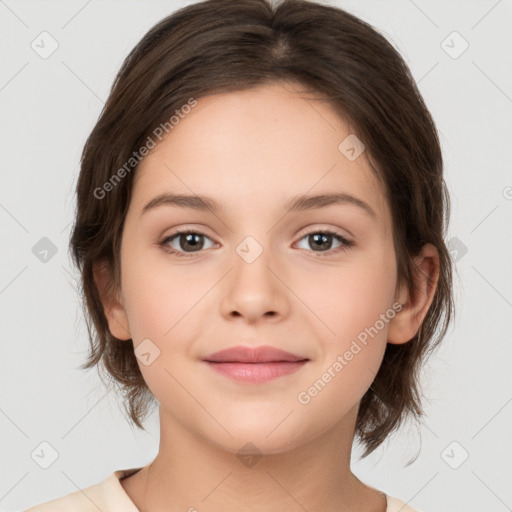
column 263, row 354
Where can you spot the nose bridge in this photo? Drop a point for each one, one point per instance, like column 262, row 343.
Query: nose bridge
column 252, row 261
column 253, row 290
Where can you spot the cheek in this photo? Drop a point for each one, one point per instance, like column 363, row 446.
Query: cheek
column 341, row 384
column 162, row 306
column 354, row 297
column 353, row 347
column 356, row 306
column 159, row 298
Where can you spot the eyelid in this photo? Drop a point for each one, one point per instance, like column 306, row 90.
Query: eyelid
column 319, row 227
column 174, row 231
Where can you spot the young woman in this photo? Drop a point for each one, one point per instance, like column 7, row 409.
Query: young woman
column 260, row 219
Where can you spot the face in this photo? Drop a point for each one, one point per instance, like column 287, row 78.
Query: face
column 312, row 281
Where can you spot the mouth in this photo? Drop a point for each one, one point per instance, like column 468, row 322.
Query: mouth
column 255, row 365
column 263, row 354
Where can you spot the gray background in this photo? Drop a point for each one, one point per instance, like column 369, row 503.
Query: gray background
column 48, row 107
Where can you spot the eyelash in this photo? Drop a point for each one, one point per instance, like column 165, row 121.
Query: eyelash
column 346, row 243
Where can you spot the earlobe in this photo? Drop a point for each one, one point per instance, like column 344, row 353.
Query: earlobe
column 416, row 302
column 112, row 304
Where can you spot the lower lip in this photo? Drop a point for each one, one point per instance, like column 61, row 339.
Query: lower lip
column 257, row 372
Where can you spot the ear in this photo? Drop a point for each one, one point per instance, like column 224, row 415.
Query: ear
column 111, row 301
column 415, row 303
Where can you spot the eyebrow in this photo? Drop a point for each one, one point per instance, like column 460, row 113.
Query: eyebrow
column 299, row 203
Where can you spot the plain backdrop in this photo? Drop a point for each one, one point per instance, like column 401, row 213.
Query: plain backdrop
column 459, row 53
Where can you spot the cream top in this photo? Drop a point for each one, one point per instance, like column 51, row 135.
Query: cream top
column 109, row 496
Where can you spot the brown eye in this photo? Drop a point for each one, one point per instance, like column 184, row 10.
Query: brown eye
column 190, row 241
column 184, row 242
column 322, row 241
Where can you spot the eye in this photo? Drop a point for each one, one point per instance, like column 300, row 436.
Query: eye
column 188, row 242
column 183, row 242
column 323, row 240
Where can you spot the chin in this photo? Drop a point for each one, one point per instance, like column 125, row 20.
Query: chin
column 256, row 441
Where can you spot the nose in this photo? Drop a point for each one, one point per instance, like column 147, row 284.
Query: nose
column 254, row 290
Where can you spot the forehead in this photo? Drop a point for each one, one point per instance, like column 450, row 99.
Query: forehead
column 258, row 147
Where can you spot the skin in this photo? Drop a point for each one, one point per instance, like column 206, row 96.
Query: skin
column 252, row 150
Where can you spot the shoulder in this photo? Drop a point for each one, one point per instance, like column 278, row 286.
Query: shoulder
column 74, row 502
column 107, row 496
column 397, row 505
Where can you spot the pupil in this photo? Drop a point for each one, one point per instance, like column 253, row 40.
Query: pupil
column 190, row 240
column 321, row 238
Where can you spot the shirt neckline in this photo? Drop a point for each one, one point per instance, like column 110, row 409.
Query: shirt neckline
column 125, row 473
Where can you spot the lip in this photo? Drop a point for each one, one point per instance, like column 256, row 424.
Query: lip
column 255, row 365
column 262, row 354
column 257, row 373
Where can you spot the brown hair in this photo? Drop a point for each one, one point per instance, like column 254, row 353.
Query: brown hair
column 219, row 46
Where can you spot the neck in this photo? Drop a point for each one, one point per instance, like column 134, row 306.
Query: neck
column 190, row 473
